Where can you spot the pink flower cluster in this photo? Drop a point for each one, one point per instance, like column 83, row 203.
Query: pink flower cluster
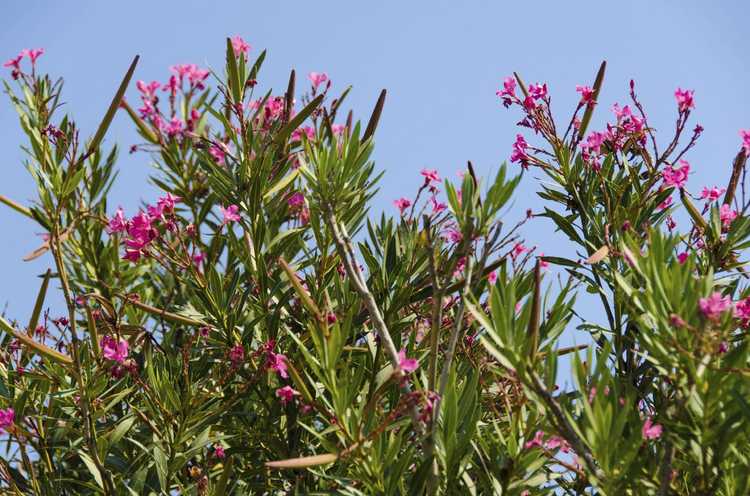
column 14, row 64
column 149, row 110
column 727, row 215
column 651, row 430
column 676, row 177
column 240, row 46
column 519, row 152
column 684, row 99
column 142, row 229
column 715, row 305
column 7, row 417
column 553, row 443
column 712, row 194
column 318, row 78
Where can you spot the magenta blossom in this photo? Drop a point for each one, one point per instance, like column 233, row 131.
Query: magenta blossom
column 538, row 91
column 114, row 350
column 32, row 53
column 437, row 206
column 14, row 63
column 712, row 194
column 407, row 365
column 219, row 451
column 239, row 46
column 742, row 311
column 518, row 250
column 651, row 430
column 402, row 204
column 727, row 215
column 682, row 258
column 537, row 441
column 230, row 214
column 684, row 99
column 492, row 278
column 296, row 201
column 715, row 305
column 430, row 176
column 745, row 135
column 317, row 78
column 519, row 152
column 286, row 394
column 509, row 88
column 7, row 417
column 277, row 363
column 676, row 178
column 117, row 223
column 237, row 355
column 587, row 94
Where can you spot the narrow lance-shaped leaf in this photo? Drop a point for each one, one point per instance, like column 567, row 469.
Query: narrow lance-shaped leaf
column 110, row 114
column 590, row 108
column 372, row 124
column 34, row 320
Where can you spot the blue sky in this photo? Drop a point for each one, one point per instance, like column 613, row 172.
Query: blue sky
column 440, row 61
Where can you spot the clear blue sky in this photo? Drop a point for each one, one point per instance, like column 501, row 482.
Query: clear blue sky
column 440, row 61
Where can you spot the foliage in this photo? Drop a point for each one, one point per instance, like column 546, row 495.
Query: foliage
column 256, row 330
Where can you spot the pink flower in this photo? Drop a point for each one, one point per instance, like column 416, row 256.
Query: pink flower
column 745, row 135
column 277, row 363
column 651, row 430
column 402, row 204
column 492, row 278
column 239, row 46
column 286, row 394
column 676, row 178
column 306, row 131
column 519, row 152
column 174, row 128
column 236, row 355
column 537, row 441
column 338, row 129
column 230, row 214
column 198, row 258
column 317, row 78
column 727, row 215
column 219, row 451
column 453, row 235
column 555, row 442
column 117, row 223
column 587, row 93
column 684, row 99
column 437, row 206
column 712, row 194
column 543, row 264
column 32, row 53
column 682, row 257
column 665, row 204
column 713, row 306
column 167, row 203
column 742, row 311
column 218, row 153
column 7, row 417
column 407, row 365
column 15, row 62
column 538, row 91
column 114, row 350
column 430, row 176
column 518, row 250
column 296, row 201
column 147, row 90
column 509, row 88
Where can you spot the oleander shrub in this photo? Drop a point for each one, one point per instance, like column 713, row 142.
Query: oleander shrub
column 256, row 329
